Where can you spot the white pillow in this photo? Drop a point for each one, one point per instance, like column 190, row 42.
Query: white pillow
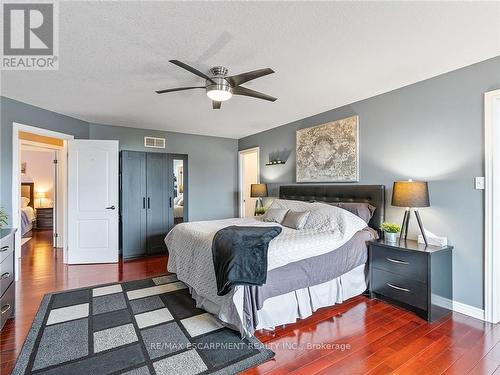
column 24, row 202
column 177, row 199
column 323, row 216
column 181, row 201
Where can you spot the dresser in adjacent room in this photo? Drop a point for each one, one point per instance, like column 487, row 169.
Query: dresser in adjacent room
column 44, row 217
column 7, row 277
column 414, row 276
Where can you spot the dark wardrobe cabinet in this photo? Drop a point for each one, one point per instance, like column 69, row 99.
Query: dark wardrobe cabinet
column 145, row 203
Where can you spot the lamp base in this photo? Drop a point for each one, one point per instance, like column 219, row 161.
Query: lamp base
column 406, row 224
column 258, row 207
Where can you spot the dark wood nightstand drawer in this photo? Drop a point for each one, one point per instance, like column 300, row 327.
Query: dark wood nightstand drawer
column 44, row 217
column 6, row 273
column 399, row 288
column 411, row 265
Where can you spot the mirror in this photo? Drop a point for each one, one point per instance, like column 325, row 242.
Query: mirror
column 178, row 191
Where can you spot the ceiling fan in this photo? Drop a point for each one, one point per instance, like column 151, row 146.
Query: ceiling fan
column 220, row 87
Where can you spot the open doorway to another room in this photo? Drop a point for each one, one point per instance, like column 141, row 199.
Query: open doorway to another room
column 249, row 173
column 39, row 187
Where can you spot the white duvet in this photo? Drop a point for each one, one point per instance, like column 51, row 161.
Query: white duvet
column 190, row 250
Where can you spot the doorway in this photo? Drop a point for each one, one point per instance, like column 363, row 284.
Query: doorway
column 492, row 207
column 49, row 140
column 249, row 173
column 39, row 187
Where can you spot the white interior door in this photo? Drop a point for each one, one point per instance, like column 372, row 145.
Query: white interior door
column 92, row 201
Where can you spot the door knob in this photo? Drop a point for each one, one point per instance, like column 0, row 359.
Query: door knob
column 110, row 208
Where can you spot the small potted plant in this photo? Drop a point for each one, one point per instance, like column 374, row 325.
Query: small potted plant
column 390, row 231
column 3, row 217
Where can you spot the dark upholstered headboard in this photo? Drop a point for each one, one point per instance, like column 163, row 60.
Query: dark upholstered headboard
column 372, row 194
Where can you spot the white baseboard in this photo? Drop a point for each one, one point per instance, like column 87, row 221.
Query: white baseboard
column 459, row 307
column 469, row 310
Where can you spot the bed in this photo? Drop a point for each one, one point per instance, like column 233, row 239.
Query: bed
column 307, row 269
column 28, row 215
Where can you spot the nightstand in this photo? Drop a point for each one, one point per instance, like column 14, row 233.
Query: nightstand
column 412, row 276
column 44, row 217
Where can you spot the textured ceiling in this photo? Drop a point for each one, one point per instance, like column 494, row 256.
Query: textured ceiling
column 113, row 55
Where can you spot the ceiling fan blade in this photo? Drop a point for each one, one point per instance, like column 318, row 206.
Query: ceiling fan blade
column 238, row 90
column 216, row 105
column 191, row 69
column 248, row 76
column 179, row 89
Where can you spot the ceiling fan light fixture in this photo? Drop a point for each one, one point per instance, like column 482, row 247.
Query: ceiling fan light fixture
column 221, row 91
column 219, row 95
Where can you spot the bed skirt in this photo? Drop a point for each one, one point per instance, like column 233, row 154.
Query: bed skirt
column 287, row 308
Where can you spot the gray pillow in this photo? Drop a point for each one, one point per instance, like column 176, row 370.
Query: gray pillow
column 363, row 210
column 295, row 219
column 275, row 215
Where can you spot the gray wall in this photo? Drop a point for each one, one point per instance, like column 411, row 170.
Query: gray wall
column 212, row 160
column 212, row 168
column 431, row 130
column 14, row 111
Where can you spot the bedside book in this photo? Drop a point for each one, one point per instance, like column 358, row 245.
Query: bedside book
column 413, row 276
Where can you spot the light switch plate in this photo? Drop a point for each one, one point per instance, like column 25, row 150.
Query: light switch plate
column 479, row 183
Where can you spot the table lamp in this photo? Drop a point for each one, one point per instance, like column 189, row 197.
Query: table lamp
column 258, row 191
column 40, row 195
column 411, row 194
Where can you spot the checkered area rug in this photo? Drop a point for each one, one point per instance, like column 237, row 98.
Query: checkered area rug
column 149, row 326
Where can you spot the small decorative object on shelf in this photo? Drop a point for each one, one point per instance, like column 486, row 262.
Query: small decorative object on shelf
column 275, row 162
column 391, row 231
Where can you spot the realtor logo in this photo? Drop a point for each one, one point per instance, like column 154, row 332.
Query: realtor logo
column 29, row 36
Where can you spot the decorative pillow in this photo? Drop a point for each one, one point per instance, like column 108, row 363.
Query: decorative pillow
column 275, row 215
column 363, row 210
column 296, row 219
column 181, row 201
column 24, row 202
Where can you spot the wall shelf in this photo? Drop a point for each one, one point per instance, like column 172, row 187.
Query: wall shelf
column 275, row 162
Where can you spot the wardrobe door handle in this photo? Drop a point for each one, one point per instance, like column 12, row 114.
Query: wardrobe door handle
column 4, row 248
column 149, row 203
column 143, row 202
column 110, row 208
column 170, row 202
column 398, row 288
column 5, row 308
column 5, row 275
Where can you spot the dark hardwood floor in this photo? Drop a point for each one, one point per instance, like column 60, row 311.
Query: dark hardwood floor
column 361, row 336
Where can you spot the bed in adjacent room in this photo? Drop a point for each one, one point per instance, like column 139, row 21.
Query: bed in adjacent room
column 28, row 215
column 320, row 265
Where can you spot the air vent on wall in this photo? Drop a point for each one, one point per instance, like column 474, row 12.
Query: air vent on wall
column 153, row 142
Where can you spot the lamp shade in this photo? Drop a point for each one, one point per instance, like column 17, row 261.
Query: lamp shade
column 40, row 194
column 258, row 190
column 410, row 194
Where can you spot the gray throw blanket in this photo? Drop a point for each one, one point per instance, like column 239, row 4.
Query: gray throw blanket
column 240, row 256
